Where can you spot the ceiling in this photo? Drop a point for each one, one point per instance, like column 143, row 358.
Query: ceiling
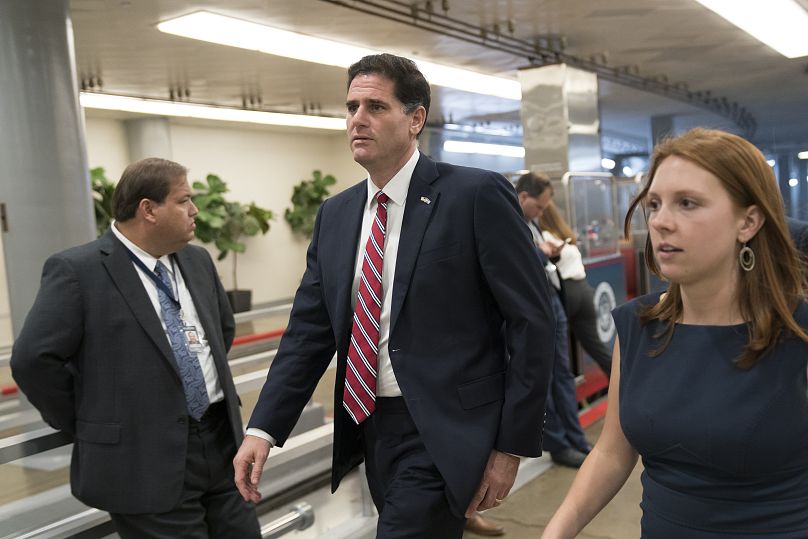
column 118, row 43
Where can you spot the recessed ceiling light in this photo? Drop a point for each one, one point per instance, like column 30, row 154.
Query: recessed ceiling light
column 780, row 24
column 207, row 112
column 607, row 163
column 214, row 28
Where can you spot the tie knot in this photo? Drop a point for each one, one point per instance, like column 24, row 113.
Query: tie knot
column 382, row 197
column 162, row 273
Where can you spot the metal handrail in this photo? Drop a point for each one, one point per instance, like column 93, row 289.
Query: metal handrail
column 43, row 439
column 263, row 312
column 31, row 443
column 299, row 518
column 30, row 415
column 255, row 314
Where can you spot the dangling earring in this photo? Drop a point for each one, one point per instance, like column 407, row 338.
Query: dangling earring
column 746, row 257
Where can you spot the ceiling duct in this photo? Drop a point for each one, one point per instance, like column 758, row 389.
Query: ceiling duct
column 541, row 52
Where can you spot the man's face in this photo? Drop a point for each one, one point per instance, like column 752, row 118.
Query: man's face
column 380, row 133
column 174, row 218
column 533, row 207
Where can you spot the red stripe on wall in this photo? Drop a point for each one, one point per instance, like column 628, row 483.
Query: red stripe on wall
column 244, row 339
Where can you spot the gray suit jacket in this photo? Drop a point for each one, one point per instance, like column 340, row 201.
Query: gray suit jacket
column 94, row 359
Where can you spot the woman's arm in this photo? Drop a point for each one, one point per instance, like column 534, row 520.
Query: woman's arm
column 602, row 474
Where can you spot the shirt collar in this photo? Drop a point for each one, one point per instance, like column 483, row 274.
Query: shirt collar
column 398, row 186
column 144, row 257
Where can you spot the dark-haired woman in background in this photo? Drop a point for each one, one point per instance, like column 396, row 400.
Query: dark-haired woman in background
column 709, row 381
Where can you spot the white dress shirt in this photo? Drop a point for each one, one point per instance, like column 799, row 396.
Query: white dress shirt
column 396, row 189
column 187, row 306
column 549, row 267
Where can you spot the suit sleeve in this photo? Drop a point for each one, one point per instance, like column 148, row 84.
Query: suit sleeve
column 514, row 274
column 227, row 320
column 42, row 353
column 305, row 351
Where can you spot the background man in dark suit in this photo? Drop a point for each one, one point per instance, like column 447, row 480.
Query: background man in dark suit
column 799, row 233
column 104, row 354
column 426, row 289
column 563, row 435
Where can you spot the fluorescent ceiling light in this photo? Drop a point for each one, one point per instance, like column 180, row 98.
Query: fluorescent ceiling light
column 607, row 163
column 462, row 146
column 207, row 112
column 780, row 24
column 497, row 132
column 207, row 26
column 803, row 155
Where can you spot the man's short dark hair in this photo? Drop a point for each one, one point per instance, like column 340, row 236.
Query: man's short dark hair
column 150, row 178
column 534, row 184
column 409, row 84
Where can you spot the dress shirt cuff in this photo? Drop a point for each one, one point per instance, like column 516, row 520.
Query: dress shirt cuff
column 258, row 433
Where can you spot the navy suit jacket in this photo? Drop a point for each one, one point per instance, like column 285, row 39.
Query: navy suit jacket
column 94, row 359
column 471, row 330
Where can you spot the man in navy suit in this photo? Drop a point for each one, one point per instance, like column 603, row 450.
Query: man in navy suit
column 461, row 352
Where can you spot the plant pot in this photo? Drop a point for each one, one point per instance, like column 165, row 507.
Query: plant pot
column 240, row 300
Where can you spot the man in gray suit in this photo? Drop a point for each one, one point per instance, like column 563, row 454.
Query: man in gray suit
column 105, row 355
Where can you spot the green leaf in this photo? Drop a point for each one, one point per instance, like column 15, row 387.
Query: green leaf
column 307, row 196
column 102, row 190
column 224, row 222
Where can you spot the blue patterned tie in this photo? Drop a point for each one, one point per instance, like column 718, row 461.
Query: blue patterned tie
column 193, row 381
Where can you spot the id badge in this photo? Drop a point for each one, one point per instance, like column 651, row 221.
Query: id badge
column 192, row 339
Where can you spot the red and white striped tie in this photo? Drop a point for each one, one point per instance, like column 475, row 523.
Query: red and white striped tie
column 359, row 396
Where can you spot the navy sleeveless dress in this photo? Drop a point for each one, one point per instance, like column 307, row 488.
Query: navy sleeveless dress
column 725, row 450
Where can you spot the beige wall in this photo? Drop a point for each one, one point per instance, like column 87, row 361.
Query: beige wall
column 259, row 164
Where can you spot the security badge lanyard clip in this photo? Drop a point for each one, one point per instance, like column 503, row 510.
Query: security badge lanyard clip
column 189, row 332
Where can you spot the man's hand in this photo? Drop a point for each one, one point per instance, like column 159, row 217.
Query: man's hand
column 249, row 465
column 551, row 250
column 498, row 478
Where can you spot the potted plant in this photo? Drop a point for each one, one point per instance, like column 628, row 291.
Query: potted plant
column 102, row 189
column 307, row 197
column 224, row 223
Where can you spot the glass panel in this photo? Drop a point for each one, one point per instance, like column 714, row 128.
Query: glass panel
column 627, row 189
column 594, row 211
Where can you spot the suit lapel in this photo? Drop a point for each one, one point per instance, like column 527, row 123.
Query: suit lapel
column 124, row 275
column 196, row 281
column 416, row 217
column 349, row 228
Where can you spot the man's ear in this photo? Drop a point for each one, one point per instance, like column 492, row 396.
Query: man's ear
column 418, row 120
column 146, row 208
column 753, row 220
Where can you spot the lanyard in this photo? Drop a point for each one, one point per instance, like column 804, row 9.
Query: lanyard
column 154, row 277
